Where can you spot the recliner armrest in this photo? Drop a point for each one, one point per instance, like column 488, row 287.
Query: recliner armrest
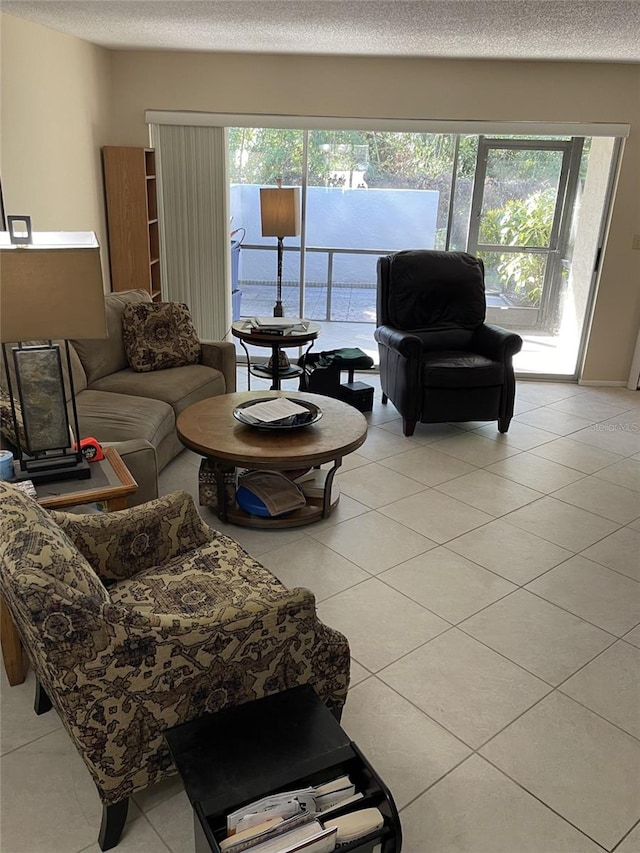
column 405, row 344
column 222, row 356
column 495, row 343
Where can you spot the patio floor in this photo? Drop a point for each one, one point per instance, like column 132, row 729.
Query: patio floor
column 353, row 318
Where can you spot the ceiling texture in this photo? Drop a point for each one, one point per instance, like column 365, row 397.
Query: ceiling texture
column 589, row 30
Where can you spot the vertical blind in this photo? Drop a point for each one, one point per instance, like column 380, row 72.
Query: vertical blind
column 195, row 253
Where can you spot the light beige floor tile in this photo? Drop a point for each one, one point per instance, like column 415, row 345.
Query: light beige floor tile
column 347, row 508
column 606, row 499
column 476, row 809
column 545, row 393
column 511, row 552
column 352, row 460
column 633, row 637
column 469, row 689
column 535, row 472
column 448, row 584
column 613, row 395
column 561, row 523
column 138, row 837
column 179, row 474
column 589, row 407
column 374, row 542
column 607, row 599
column 545, row 640
column 374, row 485
column 381, row 414
column 358, row 673
column 381, row 443
column 489, row 492
column 631, row 843
column 424, row 433
column 19, row 724
column 173, row 821
column 427, row 465
column 49, row 802
column 254, row 540
column 380, row 624
column 521, row 405
column 475, row 449
column 311, row 564
column 553, row 421
column 610, row 686
column 577, row 763
column 436, row 516
column 409, row 755
column 577, row 454
column 521, row 436
column 611, row 437
column 159, row 793
column 619, row 551
column 625, row 474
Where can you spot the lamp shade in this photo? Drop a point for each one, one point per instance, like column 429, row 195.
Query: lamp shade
column 51, row 288
column 280, row 211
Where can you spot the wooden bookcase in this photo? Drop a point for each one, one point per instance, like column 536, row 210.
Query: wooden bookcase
column 132, row 218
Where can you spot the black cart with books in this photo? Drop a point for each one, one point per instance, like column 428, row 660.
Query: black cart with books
column 283, row 742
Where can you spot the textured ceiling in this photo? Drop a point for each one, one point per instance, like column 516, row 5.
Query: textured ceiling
column 600, row 30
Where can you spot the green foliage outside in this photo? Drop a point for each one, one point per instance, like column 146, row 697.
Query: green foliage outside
column 521, row 222
column 520, row 185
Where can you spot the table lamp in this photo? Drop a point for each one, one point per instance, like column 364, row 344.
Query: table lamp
column 280, row 217
column 50, row 289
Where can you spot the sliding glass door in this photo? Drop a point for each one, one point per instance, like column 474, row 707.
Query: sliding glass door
column 515, row 202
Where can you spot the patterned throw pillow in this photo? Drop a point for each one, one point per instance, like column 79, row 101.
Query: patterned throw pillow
column 157, row 335
column 6, row 419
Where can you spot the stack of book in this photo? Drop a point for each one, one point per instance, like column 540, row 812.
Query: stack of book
column 290, row 821
column 278, row 326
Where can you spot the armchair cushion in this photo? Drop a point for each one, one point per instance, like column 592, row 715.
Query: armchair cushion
column 157, row 335
column 460, row 370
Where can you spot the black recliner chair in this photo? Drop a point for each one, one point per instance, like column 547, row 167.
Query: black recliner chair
column 439, row 360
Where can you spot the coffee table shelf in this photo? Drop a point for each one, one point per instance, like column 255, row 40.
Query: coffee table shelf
column 209, row 428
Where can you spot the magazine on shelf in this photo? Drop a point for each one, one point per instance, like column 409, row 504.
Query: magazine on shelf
column 276, row 817
column 309, row 836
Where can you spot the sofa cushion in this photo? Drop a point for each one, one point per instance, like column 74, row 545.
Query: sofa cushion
column 101, row 357
column 120, row 417
column 158, row 335
column 178, row 386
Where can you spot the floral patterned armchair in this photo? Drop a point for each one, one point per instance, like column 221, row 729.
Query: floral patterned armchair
column 136, row 621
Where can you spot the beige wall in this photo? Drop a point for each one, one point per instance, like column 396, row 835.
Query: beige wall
column 349, row 86
column 56, row 104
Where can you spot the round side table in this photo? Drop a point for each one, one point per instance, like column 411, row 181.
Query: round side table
column 242, row 330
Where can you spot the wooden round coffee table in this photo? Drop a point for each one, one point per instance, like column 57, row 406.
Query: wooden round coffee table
column 209, row 428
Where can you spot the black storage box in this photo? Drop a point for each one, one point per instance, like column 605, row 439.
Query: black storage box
column 357, row 394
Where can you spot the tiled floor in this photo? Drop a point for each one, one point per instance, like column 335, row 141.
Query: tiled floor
column 490, row 589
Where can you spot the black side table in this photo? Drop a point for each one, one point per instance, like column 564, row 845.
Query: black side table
column 281, row 742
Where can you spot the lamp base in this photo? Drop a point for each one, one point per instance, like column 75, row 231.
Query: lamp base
column 278, row 310
column 42, row 471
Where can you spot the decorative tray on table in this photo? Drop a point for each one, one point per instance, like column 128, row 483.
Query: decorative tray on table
column 277, row 413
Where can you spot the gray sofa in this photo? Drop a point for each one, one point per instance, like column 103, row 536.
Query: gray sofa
column 137, row 412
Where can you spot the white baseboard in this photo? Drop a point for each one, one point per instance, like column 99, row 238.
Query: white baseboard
column 607, row 383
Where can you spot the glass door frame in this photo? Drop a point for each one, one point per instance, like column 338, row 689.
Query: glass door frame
column 571, row 150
